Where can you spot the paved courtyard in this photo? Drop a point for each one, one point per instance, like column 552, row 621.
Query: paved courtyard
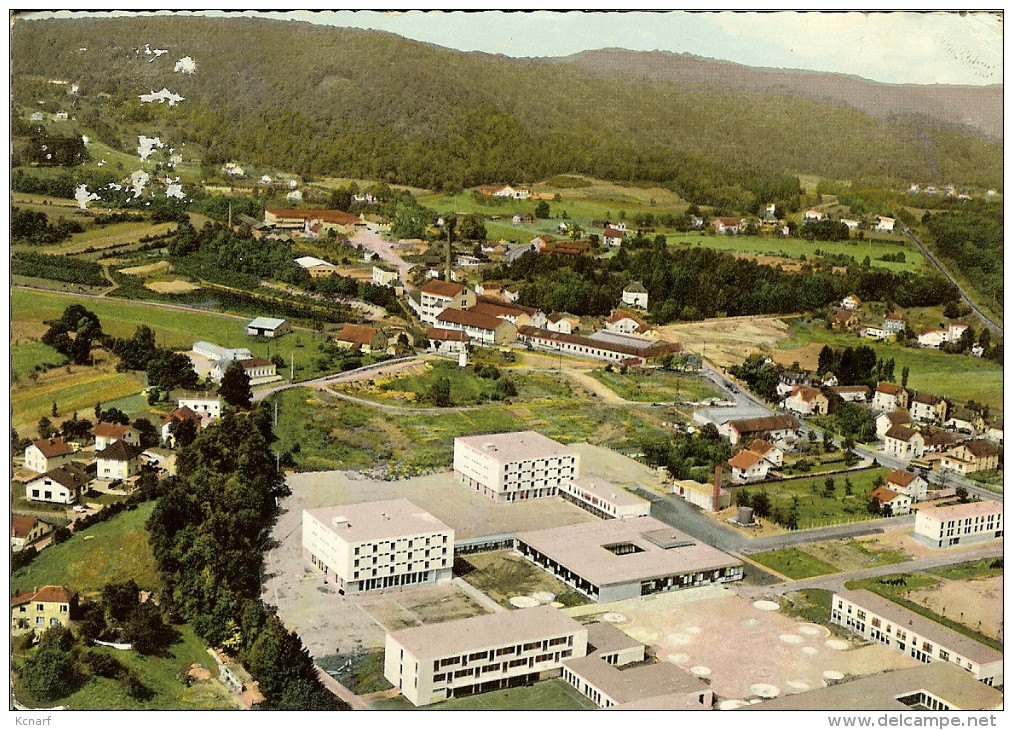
column 743, row 650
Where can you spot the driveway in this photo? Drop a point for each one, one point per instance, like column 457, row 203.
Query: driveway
column 373, row 241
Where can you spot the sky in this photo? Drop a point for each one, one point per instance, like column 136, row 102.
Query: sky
column 898, row 47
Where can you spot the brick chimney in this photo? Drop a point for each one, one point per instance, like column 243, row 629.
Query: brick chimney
column 716, row 494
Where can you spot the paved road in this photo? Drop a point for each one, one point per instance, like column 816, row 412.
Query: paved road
column 992, row 324
column 373, row 241
column 836, row 581
column 345, row 377
column 952, row 480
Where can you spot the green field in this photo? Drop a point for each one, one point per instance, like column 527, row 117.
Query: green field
column 957, row 377
column 657, row 385
column 162, row 675
column 112, row 551
column 793, row 563
column 549, row 694
column 966, row 571
column 913, row 582
column 502, row 576
column 30, row 356
column 77, row 391
column 816, row 510
column 810, row 604
column 796, row 247
column 99, row 237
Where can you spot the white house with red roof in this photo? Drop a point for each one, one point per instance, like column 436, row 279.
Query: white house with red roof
column 902, row 442
column 109, row 433
column 445, row 341
column 627, row 323
column 727, row 225
column 884, row 224
column 612, row 237
column 46, row 454
column 895, row 503
column 907, row 483
column 61, row 485
column 438, row 295
column 748, row 466
column 893, row 323
column 39, row 609
column 851, row 302
column 806, row 401
column 889, row 397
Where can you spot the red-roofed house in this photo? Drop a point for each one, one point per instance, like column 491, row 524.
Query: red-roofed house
column 62, row 485
column 748, row 466
column 39, row 609
column 612, row 237
column 770, row 428
column 927, row 408
column 360, row 338
column 26, row 530
column 904, row 443
column 727, row 225
column 889, row 398
column 628, row 323
column 438, row 295
column 851, row 302
column 481, row 329
column 895, row 503
column 907, row 483
column 971, row 456
column 446, row 341
column 108, row 433
column 177, row 415
column 844, row 320
column 886, row 421
column 893, row 323
column 46, row 454
column 768, row 451
column 806, row 401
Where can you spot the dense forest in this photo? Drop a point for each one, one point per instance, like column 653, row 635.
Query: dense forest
column 972, row 239
column 694, row 283
column 330, row 101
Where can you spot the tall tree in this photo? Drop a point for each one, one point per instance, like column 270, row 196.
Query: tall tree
column 235, row 387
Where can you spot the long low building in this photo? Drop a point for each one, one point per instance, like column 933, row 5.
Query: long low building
column 610, row 349
column 458, row 658
column 604, row 500
column 482, row 329
column 959, row 524
column 875, row 618
column 619, row 559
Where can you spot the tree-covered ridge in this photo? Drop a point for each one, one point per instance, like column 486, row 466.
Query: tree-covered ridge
column 972, row 238
column 694, row 283
column 327, row 101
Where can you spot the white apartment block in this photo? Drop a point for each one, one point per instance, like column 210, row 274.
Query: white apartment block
column 458, row 658
column 604, row 500
column 513, row 467
column 959, row 524
column 874, row 618
column 376, row 545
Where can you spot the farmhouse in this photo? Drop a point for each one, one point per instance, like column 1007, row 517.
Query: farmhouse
column 513, row 467
column 727, row 225
column 612, row 348
column 769, row 428
column 927, row 408
column 109, row 433
column 893, row 323
column 603, row 500
column 895, row 503
column 446, row 341
column 806, row 401
column 360, row 338
column 875, row 618
column 635, row 295
column 463, row 657
column 844, row 319
column 904, row 443
column 748, row 466
column 907, row 483
column 62, row 485
column 376, row 545
column 959, row 524
column 118, row 461
column 267, row 327
column 611, row 237
column 619, row 559
column 46, row 454
column 39, row 609
column 889, row 397
column 26, row 530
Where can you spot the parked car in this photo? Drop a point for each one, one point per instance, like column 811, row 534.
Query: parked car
column 79, row 508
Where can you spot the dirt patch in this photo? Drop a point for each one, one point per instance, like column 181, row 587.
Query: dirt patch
column 176, row 286
column 785, row 264
column 806, row 356
column 727, row 342
column 147, row 269
column 198, row 673
column 976, row 603
column 23, row 331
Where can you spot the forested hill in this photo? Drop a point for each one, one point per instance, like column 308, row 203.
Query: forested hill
column 971, row 109
column 320, row 101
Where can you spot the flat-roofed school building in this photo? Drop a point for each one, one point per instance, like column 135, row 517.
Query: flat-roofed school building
column 458, row 658
column 604, row 500
column 619, row 559
column 376, row 545
column 515, row 466
column 875, row 618
column 959, row 524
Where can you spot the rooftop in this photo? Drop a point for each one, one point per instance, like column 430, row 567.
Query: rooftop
column 635, row 288
column 632, row 683
column 960, row 511
column 901, row 478
column 21, row 525
column 381, row 520
column 901, row 433
column 110, row 430
column 889, row 388
column 440, row 288
column 883, row 494
column 607, row 492
column 268, row 323
column 467, row 318
column 357, row 334
column 53, row 447
column 119, row 451
column 505, row 448
column 613, row 342
column 581, row 549
column 46, row 594
column 981, row 447
column 745, row 459
column 494, row 629
column 338, row 217
column 308, row 262
column 69, row 476
column 440, row 333
column 937, row 633
column 768, row 423
column 623, row 340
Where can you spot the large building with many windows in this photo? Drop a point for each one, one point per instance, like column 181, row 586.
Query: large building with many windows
column 515, row 466
column 959, row 524
column 875, row 618
column 619, row 559
column 376, row 545
column 434, row 662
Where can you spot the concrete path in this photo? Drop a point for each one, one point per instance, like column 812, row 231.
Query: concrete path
column 477, row 595
column 349, row 376
column 341, row 691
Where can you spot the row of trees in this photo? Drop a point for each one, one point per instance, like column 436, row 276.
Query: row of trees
column 33, row 228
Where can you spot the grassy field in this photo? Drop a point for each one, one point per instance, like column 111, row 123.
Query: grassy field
column 794, row 248
column 466, row 388
column 111, row 551
column 550, row 694
column 810, row 604
column 966, row 571
column 501, row 576
column 99, row 237
column 77, row 390
column 957, row 377
column 817, row 510
column 162, row 675
column 28, row 357
column 657, row 385
column 793, row 563
column 912, row 582
column 330, row 433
